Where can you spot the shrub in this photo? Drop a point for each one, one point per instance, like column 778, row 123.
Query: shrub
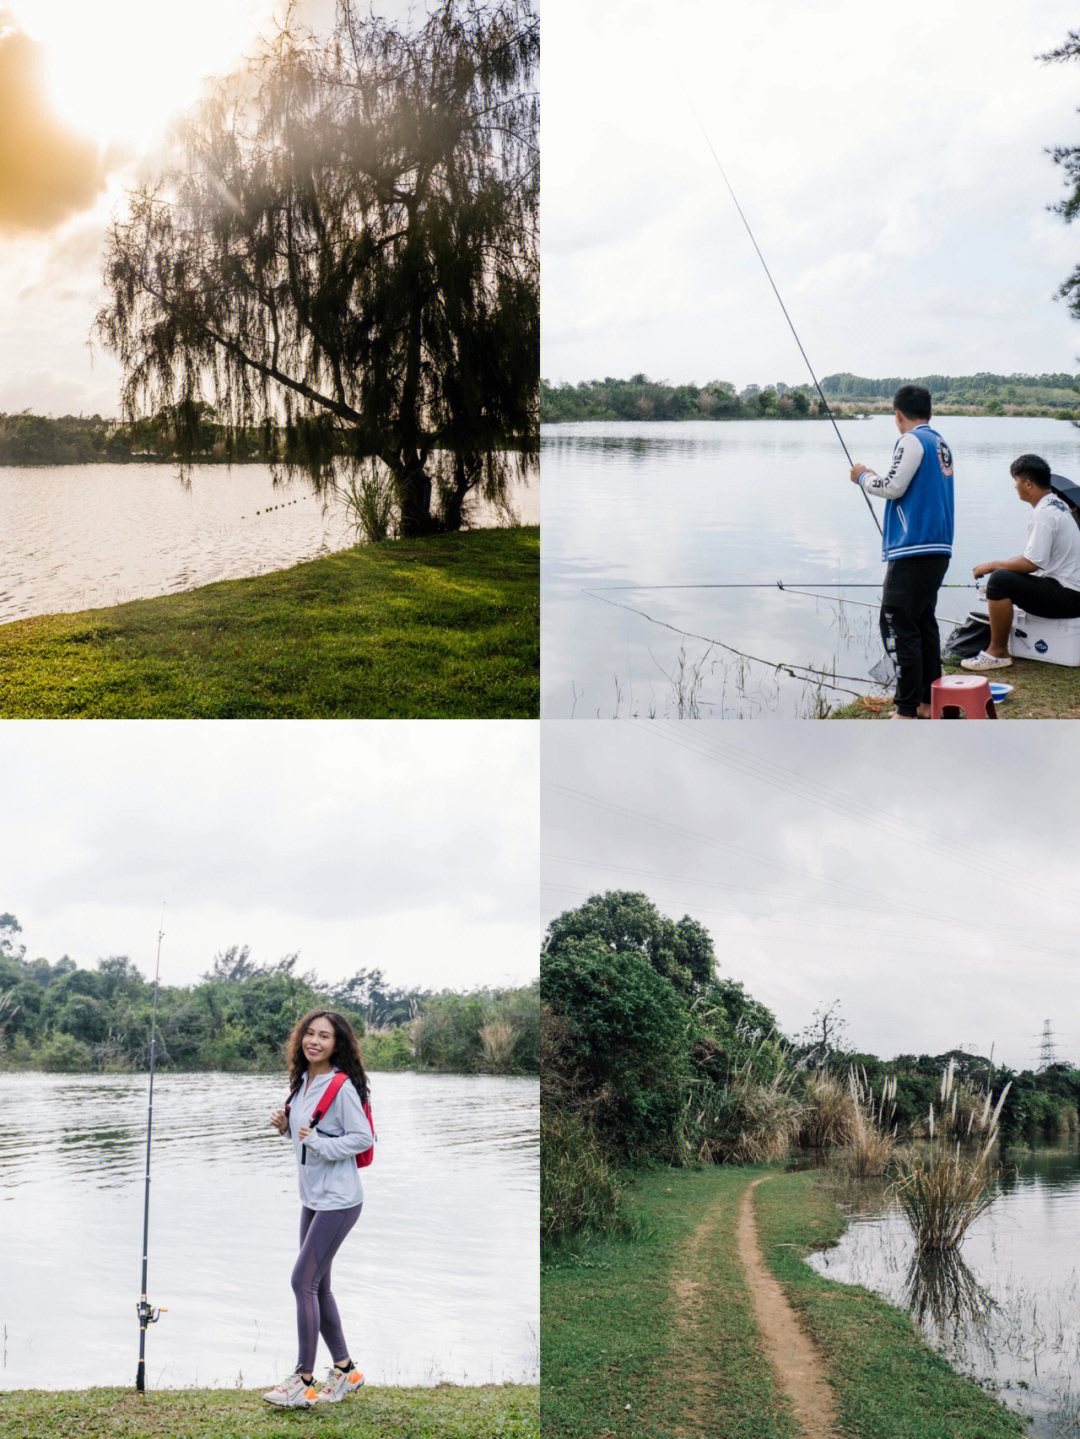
column 578, row 1189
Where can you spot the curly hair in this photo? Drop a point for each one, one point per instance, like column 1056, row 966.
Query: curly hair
column 346, row 1055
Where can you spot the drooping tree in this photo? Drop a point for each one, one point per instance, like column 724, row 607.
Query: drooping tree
column 345, row 255
column 1068, row 157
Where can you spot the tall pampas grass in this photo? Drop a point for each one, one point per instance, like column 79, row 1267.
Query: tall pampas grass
column 871, row 1144
column 943, row 1188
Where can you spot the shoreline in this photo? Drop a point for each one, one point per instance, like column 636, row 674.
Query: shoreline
column 1040, row 691
column 445, row 626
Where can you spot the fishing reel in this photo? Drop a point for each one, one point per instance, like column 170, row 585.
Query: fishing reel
column 147, row 1314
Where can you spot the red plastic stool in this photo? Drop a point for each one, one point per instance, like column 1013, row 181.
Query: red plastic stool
column 967, row 694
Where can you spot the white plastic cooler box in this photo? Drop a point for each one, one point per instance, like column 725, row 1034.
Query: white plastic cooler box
column 1055, row 641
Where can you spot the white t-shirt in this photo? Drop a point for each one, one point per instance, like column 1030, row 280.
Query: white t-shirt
column 1053, row 542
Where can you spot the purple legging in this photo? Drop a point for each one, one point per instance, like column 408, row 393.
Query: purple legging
column 321, row 1233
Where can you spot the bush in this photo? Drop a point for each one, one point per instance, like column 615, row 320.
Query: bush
column 578, row 1190
column 630, row 1049
column 65, row 1055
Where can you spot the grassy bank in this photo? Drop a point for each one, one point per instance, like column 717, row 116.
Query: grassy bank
column 434, row 628
column 1040, row 691
column 888, row 1383
column 503, row 1412
column 619, row 1360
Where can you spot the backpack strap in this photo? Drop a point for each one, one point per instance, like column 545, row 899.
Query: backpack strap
column 325, row 1102
column 339, row 1079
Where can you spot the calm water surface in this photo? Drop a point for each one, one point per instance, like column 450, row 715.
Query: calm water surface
column 693, row 504
column 438, row 1280
column 1011, row 1316
column 82, row 536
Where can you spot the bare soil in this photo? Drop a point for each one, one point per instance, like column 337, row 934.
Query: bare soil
column 794, row 1359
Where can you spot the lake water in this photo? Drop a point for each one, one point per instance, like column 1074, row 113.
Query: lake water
column 650, row 506
column 82, row 536
column 439, row 1279
column 1011, row 1315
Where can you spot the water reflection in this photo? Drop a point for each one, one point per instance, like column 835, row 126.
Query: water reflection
column 943, row 1292
column 1006, row 1308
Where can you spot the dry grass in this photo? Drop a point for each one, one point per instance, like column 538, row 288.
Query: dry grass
column 746, row 1120
column 828, row 1112
column 499, row 1038
column 943, row 1188
column 871, row 1145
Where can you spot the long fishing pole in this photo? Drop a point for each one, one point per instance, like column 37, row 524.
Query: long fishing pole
column 147, row 1314
column 787, row 317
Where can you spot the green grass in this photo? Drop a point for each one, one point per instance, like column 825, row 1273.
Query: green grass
column 889, row 1384
column 1040, row 691
column 616, row 1365
column 433, row 628
column 445, row 1412
column 615, row 1362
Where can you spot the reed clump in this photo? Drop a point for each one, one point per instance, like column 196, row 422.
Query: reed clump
column 871, row 1142
column 944, row 1187
column 828, row 1112
column 751, row 1117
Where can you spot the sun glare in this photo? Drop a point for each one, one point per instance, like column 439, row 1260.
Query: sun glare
column 118, row 72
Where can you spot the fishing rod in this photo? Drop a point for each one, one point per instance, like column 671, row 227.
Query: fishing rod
column 147, row 1314
column 787, row 317
column 786, row 585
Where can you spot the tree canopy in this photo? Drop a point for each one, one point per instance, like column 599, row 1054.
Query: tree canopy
column 346, row 251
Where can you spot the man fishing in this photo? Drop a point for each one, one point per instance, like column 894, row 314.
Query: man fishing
column 916, row 545
column 1045, row 579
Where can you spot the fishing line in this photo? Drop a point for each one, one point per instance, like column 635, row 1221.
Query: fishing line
column 147, row 1314
column 812, row 675
column 794, row 585
column 787, row 317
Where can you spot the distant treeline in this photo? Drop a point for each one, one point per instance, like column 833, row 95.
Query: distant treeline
column 56, row 1016
column 179, row 434
column 639, row 398
column 27, row 439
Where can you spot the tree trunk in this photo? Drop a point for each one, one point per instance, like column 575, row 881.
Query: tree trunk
column 413, row 486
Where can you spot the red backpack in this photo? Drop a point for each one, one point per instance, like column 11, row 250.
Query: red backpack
column 364, row 1158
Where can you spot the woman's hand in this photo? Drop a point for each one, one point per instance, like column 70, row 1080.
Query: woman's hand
column 303, row 1133
column 280, row 1120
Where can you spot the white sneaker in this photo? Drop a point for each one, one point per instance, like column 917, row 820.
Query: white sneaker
column 292, row 1393
column 983, row 661
column 339, row 1385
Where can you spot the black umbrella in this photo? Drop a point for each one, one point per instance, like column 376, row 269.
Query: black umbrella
column 1067, row 489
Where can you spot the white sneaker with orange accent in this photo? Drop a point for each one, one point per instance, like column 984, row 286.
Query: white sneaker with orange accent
column 340, row 1384
column 293, row 1393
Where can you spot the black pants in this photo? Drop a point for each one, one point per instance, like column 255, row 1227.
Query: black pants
column 1035, row 594
column 909, row 627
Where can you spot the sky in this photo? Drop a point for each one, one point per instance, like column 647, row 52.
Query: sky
column 930, row 889
column 410, row 847
column 893, row 173
column 88, row 91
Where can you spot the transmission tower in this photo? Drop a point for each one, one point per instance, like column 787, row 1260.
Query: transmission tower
column 1047, row 1057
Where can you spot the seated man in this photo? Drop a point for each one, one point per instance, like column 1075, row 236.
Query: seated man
column 1045, row 579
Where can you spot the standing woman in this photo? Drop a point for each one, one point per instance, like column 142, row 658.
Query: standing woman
column 331, row 1196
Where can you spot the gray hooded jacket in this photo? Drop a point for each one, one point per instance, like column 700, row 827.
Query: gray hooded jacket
column 326, row 1159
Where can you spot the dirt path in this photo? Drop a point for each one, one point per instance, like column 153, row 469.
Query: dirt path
column 788, row 1348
